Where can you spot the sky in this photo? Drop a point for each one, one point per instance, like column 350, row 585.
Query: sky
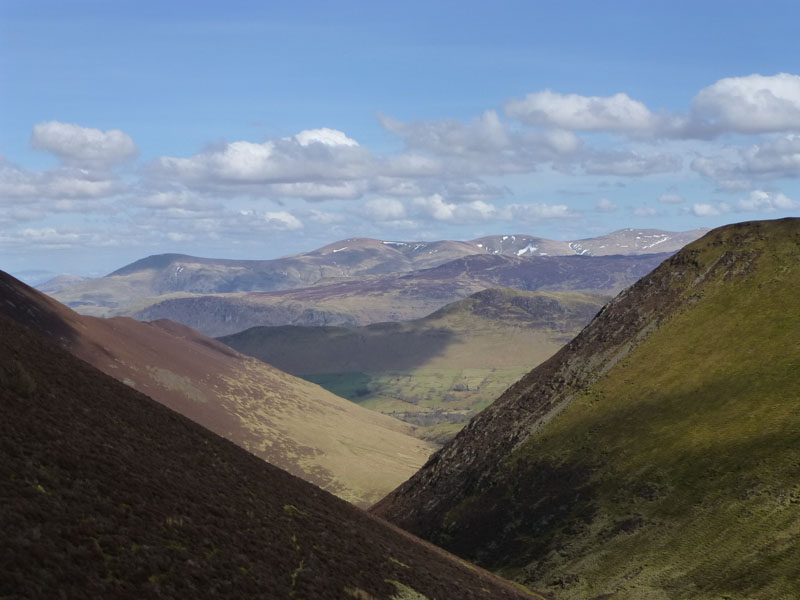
column 261, row 129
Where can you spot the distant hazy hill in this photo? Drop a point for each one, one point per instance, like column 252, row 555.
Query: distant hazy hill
column 402, row 297
column 355, row 453
column 658, row 454
column 440, row 369
column 107, row 494
column 134, row 285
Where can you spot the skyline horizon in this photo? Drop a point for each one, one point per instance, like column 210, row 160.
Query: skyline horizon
column 253, row 132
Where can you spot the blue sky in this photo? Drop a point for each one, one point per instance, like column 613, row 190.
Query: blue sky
column 259, row 129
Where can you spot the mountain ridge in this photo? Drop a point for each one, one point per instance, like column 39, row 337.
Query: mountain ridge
column 653, row 456
column 158, row 275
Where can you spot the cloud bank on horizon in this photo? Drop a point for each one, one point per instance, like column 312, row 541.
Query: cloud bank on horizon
column 549, row 162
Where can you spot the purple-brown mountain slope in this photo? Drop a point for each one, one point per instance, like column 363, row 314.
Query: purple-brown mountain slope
column 353, row 452
column 108, row 494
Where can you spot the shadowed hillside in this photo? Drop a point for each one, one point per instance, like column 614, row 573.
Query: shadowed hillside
column 107, row 494
column 655, row 456
column 434, row 372
column 355, row 453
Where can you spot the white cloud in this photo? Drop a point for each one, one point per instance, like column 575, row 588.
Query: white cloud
column 670, row 198
column 583, row 113
column 630, row 164
column 534, row 212
column 727, row 173
column 329, row 137
column 762, row 201
column 484, row 134
column 605, row 205
column 83, row 146
column 317, row 158
column 322, row 217
column 52, row 238
column 752, row 104
column 644, row 211
column 756, row 201
column 282, row 221
column 384, row 209
column 17, row 183
column 705, row 210
column 779, row 156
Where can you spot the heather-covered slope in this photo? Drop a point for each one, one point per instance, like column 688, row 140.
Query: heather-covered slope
column 655, row 456
column 353, row 452
column 435, row 372
column 402, row 297
column 107, row 494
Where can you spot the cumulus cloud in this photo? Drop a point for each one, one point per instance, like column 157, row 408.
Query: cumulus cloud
column 631, row 164
column 280, row 220
column 328, row 137
column 384, row 209
column 56, row 238
column 725, row 172
column 439, row 209
column 760, row 200
column 17, row 183
column 534, row 212
column 670, row 198
column 605, row 205
column 583, row 113
column 83, row 146
column 320, row 157
column 779, row 157
column 705, row 210
column 446, row 136
column 644, row 211
column 483, row 146
column 751, row 105
column 756, row 201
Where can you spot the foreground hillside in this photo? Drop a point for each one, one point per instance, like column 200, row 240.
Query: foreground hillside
column 435, row 372
column 107, row 494
column 402, row 297
column 658, row 454
column 355, row 453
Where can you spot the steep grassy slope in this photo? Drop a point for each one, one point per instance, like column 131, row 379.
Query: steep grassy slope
column 107, row 494
column 437, row 371
column 402, row 297
column 657, row 455
column 298, row 426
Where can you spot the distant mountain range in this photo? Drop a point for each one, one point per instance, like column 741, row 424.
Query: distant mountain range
column 355, row 453
column 403, row 296
column 435, row 372
column 657, row 455
column 107, row 494
column 136, row 285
